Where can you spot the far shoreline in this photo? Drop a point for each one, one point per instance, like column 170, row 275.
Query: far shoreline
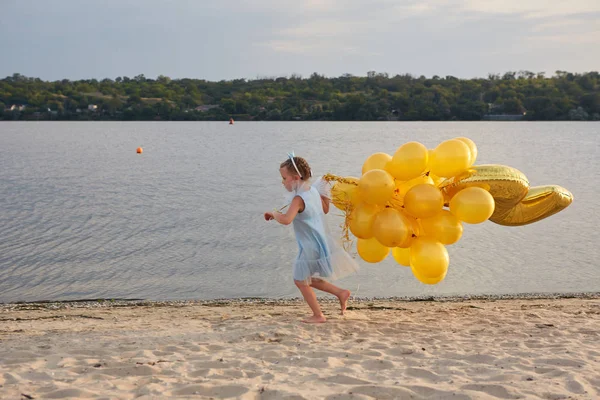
column 292, row 301
column 296, row 121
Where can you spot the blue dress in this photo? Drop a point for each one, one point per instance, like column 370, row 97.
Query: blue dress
column 319, row 256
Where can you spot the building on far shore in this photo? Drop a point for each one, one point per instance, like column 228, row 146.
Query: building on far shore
column 16, row 107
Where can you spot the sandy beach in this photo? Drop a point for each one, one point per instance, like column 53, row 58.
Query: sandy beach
column 545, row 348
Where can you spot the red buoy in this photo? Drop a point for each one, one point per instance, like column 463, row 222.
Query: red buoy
column 140, row 150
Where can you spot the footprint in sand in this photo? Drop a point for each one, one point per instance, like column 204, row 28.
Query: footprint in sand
column 561, row 362
column 9, row 379
column 507, row 378
column 377, row 365
column 36, row 376
column 267, row 394
column 161, row 353
column 481, row 359
column 401, row 351
column 431, row 393
column 383, row 392
column 348, row 396
column 424, row 374
column 344, row 380
column 140, row 370
column 199, row 373
column 574, row 386
column 69, row 394
column 498, row 391
column 222, row 392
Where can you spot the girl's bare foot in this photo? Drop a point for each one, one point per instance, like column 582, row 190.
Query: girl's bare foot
column 344, row 300
column 315, row 319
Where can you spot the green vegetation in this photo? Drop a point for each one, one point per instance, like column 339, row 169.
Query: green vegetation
column 523, row 95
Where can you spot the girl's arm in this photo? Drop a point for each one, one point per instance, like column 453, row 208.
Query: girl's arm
column 325, row 202
column 293, row 210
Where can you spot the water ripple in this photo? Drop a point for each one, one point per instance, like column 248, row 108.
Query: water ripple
column 83, row 216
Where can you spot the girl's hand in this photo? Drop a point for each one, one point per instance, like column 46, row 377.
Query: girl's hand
column 269, row 216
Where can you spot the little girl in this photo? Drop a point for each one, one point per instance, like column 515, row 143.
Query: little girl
column 319, row 258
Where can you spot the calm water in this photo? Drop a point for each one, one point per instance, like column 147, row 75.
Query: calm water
column 83, row 216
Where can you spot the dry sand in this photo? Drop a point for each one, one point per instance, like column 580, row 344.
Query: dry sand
column 257, row 349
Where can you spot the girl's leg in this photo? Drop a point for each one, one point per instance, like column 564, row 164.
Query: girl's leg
column 311, row 299
column 341, row 294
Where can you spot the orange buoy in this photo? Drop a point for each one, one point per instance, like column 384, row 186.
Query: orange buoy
column 230, row 121
column 140, row 150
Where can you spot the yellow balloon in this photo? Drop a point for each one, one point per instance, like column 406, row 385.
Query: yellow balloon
column 409, row 161
column 391, row 228
column 402, row 187
column 361, row 220
column 423, row 201
column 345, row 195
column 450, row 158
column 401, row 255
column 444, row 227
column 426, row 280
column 472, row 149
column 429, row 257
column 376, row 187
column 371, row 250
column 376, row 161
column 472, row 205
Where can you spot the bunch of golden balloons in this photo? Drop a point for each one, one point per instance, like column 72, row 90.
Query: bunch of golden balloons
column 397, row 205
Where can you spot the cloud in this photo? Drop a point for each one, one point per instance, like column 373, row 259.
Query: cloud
column 233, row 38
column 355, row 26
column 315, row 46
column 323, row 28
column 533, row 8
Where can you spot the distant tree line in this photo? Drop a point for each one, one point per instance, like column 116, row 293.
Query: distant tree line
column 375, row 97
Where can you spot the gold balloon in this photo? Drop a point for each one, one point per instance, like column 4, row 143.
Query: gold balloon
column 472, row 205
column 401, row 255
column 376, row 187
column 444, row 227
column 371, row 250
column 450, row 158
column 391, row 228
column 539, row 203
column 376, row 161
column 426, row 280
column 409, row 161
column 472, row 149
column 429, row 257
column 345, row 195
column 423, row 201
column 361, row 220
column 402, row 187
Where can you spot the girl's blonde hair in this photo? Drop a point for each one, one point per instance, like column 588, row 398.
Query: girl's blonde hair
column 302, row 165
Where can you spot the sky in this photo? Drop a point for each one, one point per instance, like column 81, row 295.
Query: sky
column 231, row 39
